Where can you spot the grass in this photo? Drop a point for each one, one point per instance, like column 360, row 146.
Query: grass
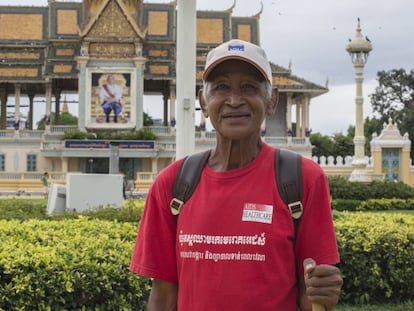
column 384, row 307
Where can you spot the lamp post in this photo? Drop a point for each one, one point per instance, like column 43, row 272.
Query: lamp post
column 359, row 49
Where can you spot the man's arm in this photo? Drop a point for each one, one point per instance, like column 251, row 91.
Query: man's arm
column 163, row 296
column 320, row 284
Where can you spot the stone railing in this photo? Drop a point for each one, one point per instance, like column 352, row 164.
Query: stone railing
column 27, row 182
column 339, row 161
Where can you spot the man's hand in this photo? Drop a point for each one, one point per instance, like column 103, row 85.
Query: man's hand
column 323, row 283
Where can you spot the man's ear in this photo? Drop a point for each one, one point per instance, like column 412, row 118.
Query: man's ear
column 203, row 104
column 274, row 100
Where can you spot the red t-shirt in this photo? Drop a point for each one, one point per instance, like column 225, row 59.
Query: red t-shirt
column 232, row 246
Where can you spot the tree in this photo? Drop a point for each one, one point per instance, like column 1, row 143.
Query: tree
column 343, row 145
column 394, row 98
column 371, row 126
column 148, row 121
column 323, row 145
column 65, row 118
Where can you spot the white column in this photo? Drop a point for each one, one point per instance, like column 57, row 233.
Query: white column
column 306, row 104
column 359, row 139
column 154, row 165
column 263, row 129
column 172, row 105
column 289, row 111
column 48, row 105
column 186, row 77
column 298, row 102
column 17, row 89
column 65, row 164
column 48, row 98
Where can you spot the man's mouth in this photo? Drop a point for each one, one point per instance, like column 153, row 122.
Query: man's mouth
column 235, row 116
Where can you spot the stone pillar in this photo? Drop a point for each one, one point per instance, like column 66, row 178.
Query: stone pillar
column 48, row 96
column 306, row 104
column 65, row 164
column 3, row 112
column 139, row 86
column 263, row 128
column 17, row 89
column 165, row 115
column 82, row 62
column 154, row 165
column 289, row 111
column 57, row 93
column 298, row 102
column 172, row 105
column 30, row 116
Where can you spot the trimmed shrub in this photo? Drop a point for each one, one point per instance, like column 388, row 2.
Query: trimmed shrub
column 342, row 188
column 79, row 264
column 386, row 205
column 345, row 205
column 24, row 209
column 75, row 262
column 377, row 256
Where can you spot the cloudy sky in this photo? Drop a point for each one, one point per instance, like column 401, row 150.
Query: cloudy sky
column 313, row 34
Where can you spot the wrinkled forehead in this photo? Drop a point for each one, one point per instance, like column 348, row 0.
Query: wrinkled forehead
column 235, row 66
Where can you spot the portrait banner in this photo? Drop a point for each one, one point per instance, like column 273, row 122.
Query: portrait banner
column 109, row 99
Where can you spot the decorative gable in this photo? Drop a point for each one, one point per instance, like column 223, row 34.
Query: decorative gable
column 112, row 23
column 112, row 32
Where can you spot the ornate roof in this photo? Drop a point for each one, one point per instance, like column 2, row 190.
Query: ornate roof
column 49, row 40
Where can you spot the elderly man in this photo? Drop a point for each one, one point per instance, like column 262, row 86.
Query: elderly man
column 110, row 94
column 214, row 258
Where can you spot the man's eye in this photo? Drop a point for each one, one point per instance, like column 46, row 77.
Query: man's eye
column 221, row 87
column 248, row 88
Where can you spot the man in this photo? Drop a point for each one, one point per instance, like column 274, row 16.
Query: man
column 110, row 94
column 45, row 184
column 214, row 258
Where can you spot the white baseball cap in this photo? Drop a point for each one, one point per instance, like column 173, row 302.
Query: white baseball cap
column 241, row 50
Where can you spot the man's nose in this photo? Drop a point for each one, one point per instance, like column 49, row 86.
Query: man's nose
column 235, row 98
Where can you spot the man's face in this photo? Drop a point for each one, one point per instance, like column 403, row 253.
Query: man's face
column 111, row 79
column 236, row 99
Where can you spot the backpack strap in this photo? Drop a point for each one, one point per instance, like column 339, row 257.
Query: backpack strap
column 187, row 179
column 288, row 172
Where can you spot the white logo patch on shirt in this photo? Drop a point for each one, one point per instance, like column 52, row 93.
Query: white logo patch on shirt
column 257, row 213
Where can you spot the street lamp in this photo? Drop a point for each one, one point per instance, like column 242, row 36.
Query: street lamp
column 359, row 49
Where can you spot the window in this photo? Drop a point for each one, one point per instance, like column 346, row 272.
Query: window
column 31, row 163
column 2, row 162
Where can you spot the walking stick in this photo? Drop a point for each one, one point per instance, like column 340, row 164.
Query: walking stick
column 318, row 307
column 315, row 306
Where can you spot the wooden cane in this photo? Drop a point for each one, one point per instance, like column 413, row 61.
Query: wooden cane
column 317, row 307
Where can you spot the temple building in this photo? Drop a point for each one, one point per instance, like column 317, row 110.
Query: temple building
column 115, row 48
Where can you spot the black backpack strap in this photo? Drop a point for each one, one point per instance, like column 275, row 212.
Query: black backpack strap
column 288, row 171
column 187, row 179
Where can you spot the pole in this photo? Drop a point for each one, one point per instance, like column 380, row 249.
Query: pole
column 186, row 77
column 318, row 307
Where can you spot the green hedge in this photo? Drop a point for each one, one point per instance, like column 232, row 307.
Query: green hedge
column 386, row 205
column 377, row 256
column 341, row 188
column 373, row 205
column 74, row 261
column 69, row 265
column 23, row 209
